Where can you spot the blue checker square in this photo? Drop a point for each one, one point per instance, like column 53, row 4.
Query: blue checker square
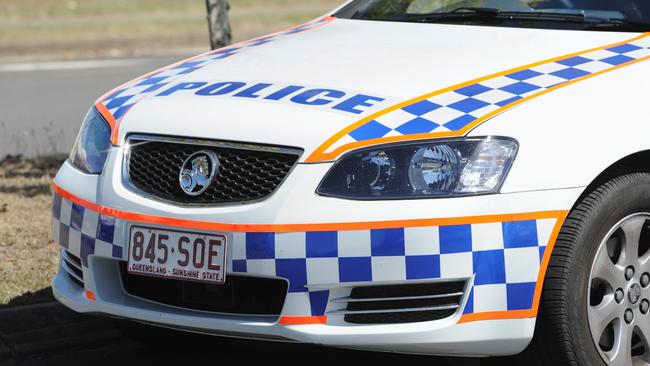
column 472, row 90
column 520, row 88
column 520, row 295
column 118, row 102
column 468, row 105
column 574, row 61
column 520, row 234
column 152, row 80
column 469, row 307
column 617, row 60
column 455, row 239
column 122, row 111
column 56, row 206
column 322, row 244
column 524, row 75
column 489, row 267
column 542, row 251
column 624, row 48
column 418, row 125
column 460, row 122
column 355, row 269
column 370, row 130
column 422, row 267
column 106, row 229
column 87, row 248
column 239, row 265
column 318, row 302
column 77, row 217
column 508, row 101
column 117, row 251
column 570, row 73
column 260, row 246
column 421, row 108
column 387, row 242
column 64, row 235
column 295, row 270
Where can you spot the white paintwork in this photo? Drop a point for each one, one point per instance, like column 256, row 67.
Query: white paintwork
column 566, row 138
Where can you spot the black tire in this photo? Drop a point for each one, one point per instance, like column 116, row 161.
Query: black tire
column 562, row 335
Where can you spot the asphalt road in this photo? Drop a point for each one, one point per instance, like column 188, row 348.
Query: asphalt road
column 50, row 335
column 44, row 103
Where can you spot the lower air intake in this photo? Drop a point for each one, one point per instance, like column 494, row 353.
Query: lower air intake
column 397, row 304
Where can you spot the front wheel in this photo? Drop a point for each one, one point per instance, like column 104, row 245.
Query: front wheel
column 596, row 299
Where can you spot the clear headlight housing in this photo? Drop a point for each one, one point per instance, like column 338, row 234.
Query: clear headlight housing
column 92, row 144
column 441, row 168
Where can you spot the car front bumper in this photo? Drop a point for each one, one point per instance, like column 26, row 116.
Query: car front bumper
column 497, row 245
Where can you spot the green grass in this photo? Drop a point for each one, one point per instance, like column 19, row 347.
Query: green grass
column 100, row 28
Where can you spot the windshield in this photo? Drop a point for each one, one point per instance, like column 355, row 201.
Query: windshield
column 616, row 15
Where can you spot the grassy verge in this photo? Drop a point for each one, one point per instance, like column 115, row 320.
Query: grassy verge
column 72, row 29
column 28, row 257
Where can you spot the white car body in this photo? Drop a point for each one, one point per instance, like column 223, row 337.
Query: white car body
column 567, row 136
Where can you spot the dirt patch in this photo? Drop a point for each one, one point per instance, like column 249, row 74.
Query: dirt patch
column 28, row 256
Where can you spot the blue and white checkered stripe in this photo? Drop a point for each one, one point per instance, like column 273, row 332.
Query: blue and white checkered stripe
column 84, row 232
column 123, row 99
column 502, row 258
column 454, row 110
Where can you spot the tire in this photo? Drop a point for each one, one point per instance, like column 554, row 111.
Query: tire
column 563, row 333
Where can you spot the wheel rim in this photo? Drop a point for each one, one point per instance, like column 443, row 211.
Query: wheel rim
column 619, row 293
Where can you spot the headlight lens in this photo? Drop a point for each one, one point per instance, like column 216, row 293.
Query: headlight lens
column 419, row 170
column 91, row 146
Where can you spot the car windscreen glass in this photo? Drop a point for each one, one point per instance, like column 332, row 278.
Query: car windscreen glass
column 615, row 15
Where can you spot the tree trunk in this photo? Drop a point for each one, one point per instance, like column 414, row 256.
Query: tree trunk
column 218, row 23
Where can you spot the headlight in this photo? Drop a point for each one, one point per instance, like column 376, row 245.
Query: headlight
column 91, row 147
column 425, row 169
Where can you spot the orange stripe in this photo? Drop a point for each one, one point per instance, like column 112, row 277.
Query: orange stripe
column 498, row 315
column 280, row 228
column 302, row 320
column 90, row 295
column 320, row 153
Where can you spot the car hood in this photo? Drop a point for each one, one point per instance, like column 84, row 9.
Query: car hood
column 349, row 69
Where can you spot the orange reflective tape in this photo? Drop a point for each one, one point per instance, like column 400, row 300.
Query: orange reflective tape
column 90, row 295
column 280, row 228
column 302, row 320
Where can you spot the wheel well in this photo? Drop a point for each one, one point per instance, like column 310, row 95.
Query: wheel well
column 635, row 163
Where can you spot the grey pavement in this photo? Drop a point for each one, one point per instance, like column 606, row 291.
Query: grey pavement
column 43, row 103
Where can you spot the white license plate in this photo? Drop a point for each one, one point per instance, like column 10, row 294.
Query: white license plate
column 177, row 254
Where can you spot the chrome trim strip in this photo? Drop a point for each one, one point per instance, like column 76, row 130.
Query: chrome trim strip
column 71, row 272
column 390, row 311
column 374, row 299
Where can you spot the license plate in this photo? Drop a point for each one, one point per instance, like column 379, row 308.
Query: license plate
column 177, row 254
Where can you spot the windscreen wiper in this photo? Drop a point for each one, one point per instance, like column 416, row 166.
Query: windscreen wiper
column 473, row 13
column 621, row 24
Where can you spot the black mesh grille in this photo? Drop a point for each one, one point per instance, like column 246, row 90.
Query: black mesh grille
column 244, row 175
column 400, row 298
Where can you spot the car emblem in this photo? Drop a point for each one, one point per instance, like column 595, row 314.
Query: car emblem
column 198, row 171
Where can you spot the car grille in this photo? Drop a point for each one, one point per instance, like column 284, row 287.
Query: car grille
column 72, row 266
column 246, row 173
column 395, row 304
column 239, row 295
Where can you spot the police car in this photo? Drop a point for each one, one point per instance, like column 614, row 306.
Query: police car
column 420, row 176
